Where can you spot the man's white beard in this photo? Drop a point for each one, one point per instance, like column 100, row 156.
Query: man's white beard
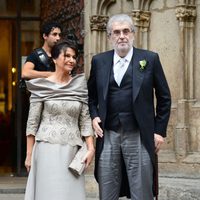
column 124, row 49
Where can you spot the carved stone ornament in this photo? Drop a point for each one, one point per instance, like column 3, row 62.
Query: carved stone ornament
column 186, row 13
column 141, row 18
column 98, row 22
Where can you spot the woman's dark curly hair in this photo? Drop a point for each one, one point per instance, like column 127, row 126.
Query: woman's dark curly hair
column 62, row 45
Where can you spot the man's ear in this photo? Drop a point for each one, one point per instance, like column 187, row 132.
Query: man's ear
column 44, row 36
column 109, row 37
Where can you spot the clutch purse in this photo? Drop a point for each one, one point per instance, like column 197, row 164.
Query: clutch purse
column 77, row 166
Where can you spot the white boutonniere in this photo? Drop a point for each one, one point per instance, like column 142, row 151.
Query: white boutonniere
column 143, row 64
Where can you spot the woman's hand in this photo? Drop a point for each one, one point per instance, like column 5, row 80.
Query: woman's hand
column 30, row 143
column 88, row 157
column 28, row 162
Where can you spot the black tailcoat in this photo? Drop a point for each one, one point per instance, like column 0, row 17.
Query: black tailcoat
column 152, row 114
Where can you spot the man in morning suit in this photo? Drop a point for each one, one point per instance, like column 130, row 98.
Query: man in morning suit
column 129, row 130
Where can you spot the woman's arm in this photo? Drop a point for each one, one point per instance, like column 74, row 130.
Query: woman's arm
column 91, row 150
column 33, row 123
column 85, row 125
column 30, row 141
column 90, row 143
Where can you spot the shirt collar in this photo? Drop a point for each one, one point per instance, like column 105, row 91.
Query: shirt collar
column 128, row 57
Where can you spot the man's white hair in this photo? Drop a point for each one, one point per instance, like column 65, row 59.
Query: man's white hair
column 119, row 18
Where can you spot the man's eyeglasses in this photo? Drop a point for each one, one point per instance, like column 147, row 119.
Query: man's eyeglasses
column 125, row 32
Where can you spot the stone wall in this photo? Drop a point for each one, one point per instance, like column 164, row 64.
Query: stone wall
column 170, row 28
column 69, row 13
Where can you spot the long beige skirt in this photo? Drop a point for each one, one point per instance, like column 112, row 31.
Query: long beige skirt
column 49, row 177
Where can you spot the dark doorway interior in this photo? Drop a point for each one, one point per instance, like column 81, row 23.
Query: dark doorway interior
column 20, row 27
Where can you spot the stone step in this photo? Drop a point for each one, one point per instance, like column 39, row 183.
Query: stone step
column 11, row 196
column 21, row 197
column 171, row 188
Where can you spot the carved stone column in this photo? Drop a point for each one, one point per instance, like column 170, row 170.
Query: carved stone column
column 97, row 38
column 186, row 15
column 142, row 21
column 98, row 28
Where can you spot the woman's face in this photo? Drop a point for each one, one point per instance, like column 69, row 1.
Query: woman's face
column 66, row 60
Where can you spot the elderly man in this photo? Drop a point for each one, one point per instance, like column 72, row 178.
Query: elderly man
column 129, row 130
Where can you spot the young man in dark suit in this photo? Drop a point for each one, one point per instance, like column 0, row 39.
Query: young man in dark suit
column 129, row 130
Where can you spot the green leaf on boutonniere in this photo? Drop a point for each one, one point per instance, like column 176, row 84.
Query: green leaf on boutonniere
column 143, row 64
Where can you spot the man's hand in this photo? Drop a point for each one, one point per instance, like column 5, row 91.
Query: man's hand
column 159, row 140
column 97, row 129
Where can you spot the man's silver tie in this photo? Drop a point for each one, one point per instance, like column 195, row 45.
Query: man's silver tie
column 120, row 71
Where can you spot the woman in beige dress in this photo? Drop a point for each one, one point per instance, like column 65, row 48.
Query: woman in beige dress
column 58, row 123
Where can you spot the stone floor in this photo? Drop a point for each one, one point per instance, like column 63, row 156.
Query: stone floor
column 171, row 188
